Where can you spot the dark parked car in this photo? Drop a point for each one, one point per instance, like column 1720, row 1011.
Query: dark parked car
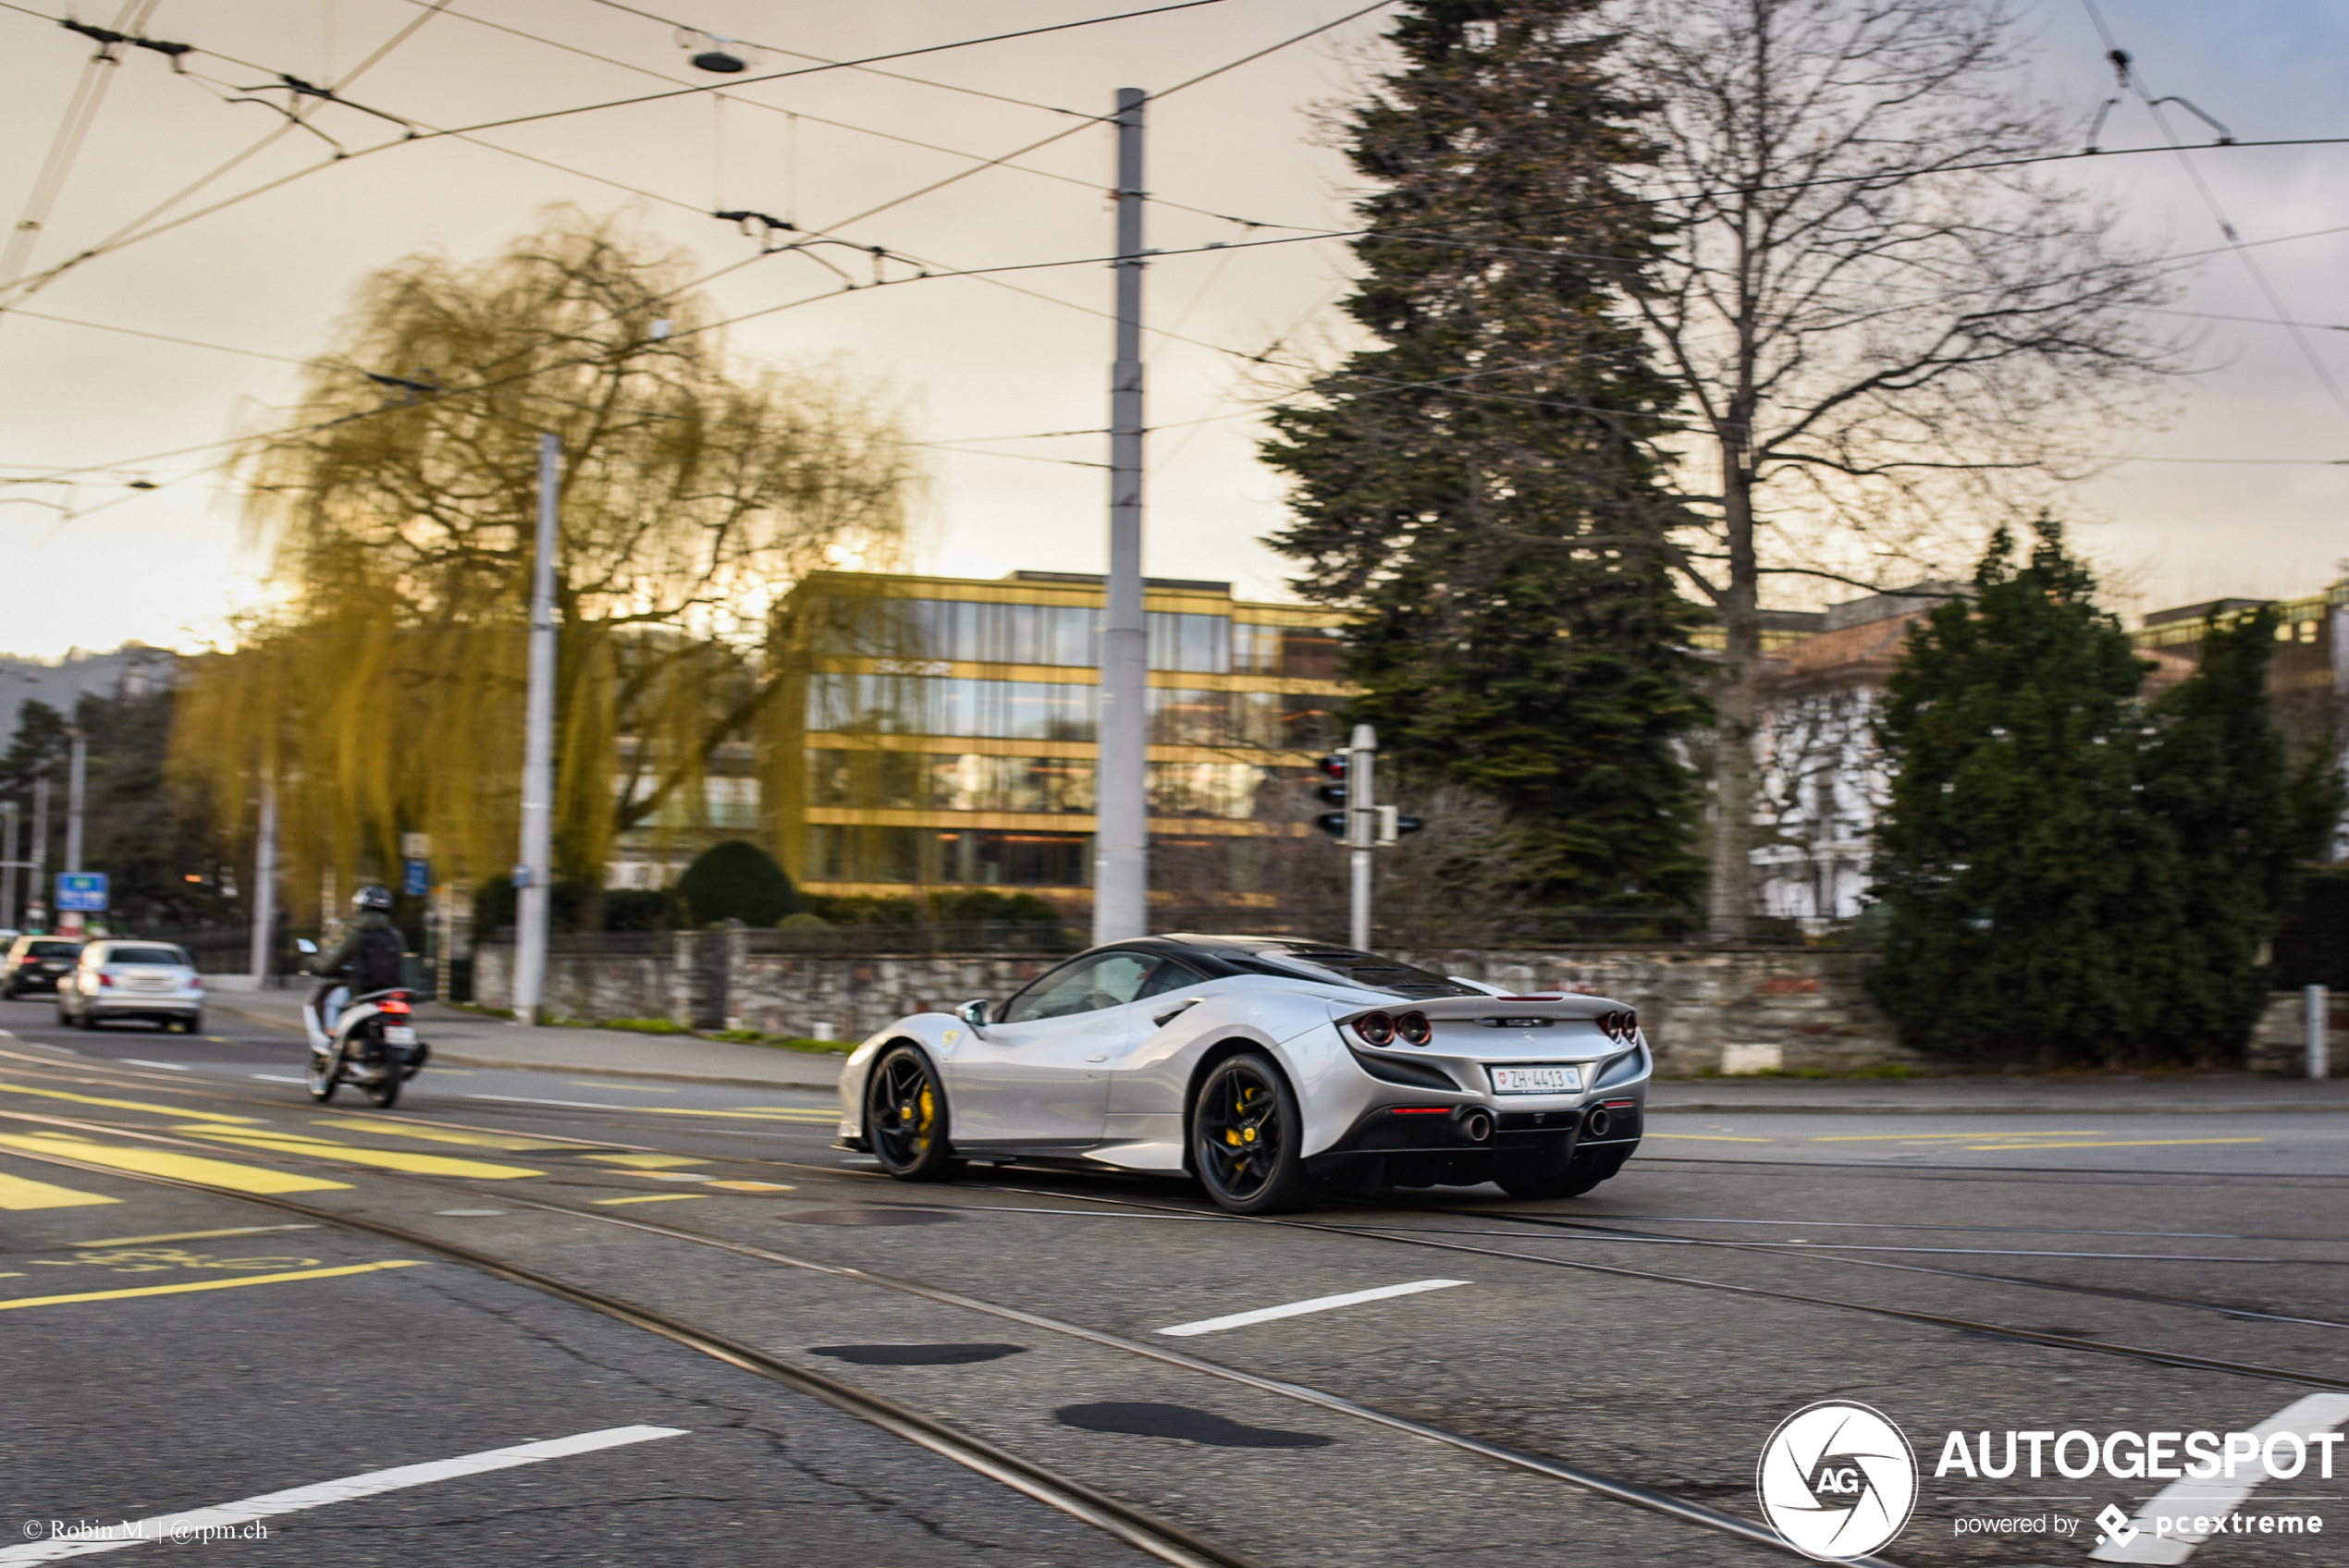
column 35, row 963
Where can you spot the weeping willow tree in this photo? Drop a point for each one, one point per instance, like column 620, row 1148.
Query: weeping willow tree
column 384, row 691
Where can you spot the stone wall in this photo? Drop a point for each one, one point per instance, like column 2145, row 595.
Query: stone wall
column 2281, row 1042
column 1735, row 1009
column 1721, row 1009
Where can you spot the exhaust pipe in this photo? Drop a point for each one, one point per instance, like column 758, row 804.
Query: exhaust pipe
column 1476, row 1126
column 1595, row 1124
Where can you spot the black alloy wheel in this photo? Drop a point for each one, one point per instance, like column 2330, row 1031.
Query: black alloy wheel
column 906, row 1117
column 1244, row 1136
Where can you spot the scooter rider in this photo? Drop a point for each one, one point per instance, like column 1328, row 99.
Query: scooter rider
column 368, row 959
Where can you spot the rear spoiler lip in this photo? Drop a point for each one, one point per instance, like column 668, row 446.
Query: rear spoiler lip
column 1578, row 1008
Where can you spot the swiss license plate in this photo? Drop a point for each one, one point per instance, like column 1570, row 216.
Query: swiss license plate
column 1536, row 1080
column 398, row 1035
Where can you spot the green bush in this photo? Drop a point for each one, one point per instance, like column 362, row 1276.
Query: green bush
column 737, row 881
column 642, row 908
column 984, row 905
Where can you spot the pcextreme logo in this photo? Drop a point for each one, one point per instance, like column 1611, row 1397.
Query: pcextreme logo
column 1837, row 1480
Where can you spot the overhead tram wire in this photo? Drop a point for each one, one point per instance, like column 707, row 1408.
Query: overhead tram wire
column 2125, row 65
column 125, row 235
column 981, row 273
column 65, row 147
column 122, row 237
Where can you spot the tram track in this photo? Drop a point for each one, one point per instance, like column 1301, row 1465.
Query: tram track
column 1146, row 1532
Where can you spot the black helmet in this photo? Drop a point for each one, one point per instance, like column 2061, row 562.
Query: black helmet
column 373, row 896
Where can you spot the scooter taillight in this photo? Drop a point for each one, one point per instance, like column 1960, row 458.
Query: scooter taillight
column 392, row 1004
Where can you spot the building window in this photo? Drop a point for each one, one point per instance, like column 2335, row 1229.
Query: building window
column 914, row 704
column 908, row 856
column 1200, row 645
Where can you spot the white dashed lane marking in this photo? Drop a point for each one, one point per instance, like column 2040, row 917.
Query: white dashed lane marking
column 1300, row 1308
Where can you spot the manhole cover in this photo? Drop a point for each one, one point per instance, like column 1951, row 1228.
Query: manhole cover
column 1201, row 1426
column 868, row 1216
column 915, row 1355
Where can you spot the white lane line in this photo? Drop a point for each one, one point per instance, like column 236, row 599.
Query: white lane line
column 1298, row 1308
column 277, row 1078
column 2213, row 1500
column 574, row 1105
column 227, row 1515
column 166, row 1066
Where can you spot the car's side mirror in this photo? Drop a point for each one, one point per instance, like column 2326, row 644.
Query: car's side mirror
column 304, row 944
column 973, row 1012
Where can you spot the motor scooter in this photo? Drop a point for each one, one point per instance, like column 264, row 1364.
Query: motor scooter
column 369, row 1040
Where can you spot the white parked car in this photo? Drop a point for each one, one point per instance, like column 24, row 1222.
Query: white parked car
column 132, row 979
column 1263, row 1067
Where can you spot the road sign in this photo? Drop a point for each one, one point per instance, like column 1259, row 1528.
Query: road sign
column 415, row 878
column 81, row 891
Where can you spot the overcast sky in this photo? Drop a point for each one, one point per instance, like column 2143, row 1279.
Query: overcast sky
column 983, row 363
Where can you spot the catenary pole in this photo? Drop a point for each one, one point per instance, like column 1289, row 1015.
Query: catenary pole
column 1121, row 831
column 36, row 912
column 9, row 862
column 538, row 753
column 264, row 884
column 77, row 780
column 1361, row 830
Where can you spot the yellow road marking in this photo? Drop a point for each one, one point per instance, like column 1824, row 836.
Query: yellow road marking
column 2129, row 1144
column 210, row 1284
column 631, row 1088
column 647, row 1161
column 1956, row 1137
column 748, row 1113
column 438, row 1135
column 755, row 1186
column 1703, row 1138
column 20, row 1192
column 191, row 1235
column 649, row 1198
column 167, row 1162
column 387, row 1160
column 181, row 1112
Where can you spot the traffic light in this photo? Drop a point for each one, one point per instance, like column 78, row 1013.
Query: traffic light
column 1334, row 792
column 1332, row 823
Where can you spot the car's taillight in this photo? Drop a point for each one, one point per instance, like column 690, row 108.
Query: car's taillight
column 1376, row 1028
column 105, row 979
column 195, row 982
column 1413, row 1029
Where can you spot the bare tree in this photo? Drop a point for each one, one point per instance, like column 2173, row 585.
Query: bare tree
column 1885, row 322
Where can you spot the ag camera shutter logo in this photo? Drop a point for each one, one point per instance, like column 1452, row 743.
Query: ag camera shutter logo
column 1837, row 1480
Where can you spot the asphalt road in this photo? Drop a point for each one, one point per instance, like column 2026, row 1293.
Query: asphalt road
column 2111, row 1273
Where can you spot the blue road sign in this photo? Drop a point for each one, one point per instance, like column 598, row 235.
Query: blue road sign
column 415, row 878
column 83, row 891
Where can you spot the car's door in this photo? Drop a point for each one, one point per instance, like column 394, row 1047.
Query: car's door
column 1038, row 1074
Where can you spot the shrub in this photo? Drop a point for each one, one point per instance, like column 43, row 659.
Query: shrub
column 737, row 881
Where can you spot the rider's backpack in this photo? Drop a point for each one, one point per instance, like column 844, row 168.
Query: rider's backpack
column 375, row 966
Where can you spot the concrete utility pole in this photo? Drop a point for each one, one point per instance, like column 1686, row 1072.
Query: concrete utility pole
column 1120, row 821
column 11, row 860
column 538, row 754
column 1361, row 828
column 36, row 904
column 76, row 777
column 265, row 885
column 2316, row 1016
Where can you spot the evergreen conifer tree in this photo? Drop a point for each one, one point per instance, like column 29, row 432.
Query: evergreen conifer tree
column 2030, row 901
column 1478, row 488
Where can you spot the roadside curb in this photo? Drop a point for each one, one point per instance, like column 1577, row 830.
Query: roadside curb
column 2035, row 1107
column 452, row 1059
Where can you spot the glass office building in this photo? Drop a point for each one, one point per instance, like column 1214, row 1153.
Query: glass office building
column 946, row 732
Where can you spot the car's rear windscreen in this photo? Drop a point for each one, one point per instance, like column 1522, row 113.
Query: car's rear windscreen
column 1350, row 967
column 53, row 949
column 147, row 955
